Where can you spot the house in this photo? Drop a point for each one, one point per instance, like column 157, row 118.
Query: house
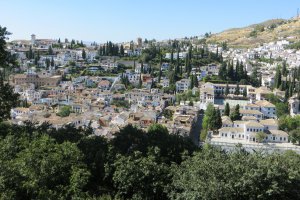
column 35, row 79
column 268, row 109
column 248, row 130
column 132, row 76
column 138, row 68
column 165, row 83
column 183, row 85
column 165, row 66
column 262, row 93
column 104, row 85
column 294, row 104
column 254, row 113
column 265, row 107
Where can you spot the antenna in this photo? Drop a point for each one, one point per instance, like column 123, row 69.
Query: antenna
column 297, row 12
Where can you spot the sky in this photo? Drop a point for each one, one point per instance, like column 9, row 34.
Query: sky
column 125, row 20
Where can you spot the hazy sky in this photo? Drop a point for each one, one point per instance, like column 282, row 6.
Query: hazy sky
column 125, row 20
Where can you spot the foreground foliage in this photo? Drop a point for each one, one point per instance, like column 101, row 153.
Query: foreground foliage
column 39, row 162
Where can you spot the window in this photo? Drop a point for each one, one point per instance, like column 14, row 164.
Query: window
column 273, row 138
column 251, row 129
column 222, row 134
column 280, row 138
column 247, row 129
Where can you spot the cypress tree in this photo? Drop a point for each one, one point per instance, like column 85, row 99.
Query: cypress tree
column 278, row 78
column 227, row 110
column 47, row 63
column 236, row 72
column 83, row 54
column 140, row 81
column 196, row 81
column 160, row 72
column 236, row 113
column 30, row 54
column 172, row 56
column 52, row 62
column 237, row 89
column 142, row 67
column 186, row 64
column 178, row 62
column 284, row 70
column 50, row 50
column 192, row 82
column 227, row 89
column 230, row 72
column 218, row 119
column 222, row 71
column 245, row 92
column 122, row 50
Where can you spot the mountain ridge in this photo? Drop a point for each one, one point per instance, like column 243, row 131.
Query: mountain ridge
column 256, row 34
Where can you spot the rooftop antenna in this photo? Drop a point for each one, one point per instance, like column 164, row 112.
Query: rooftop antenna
column 297, row 12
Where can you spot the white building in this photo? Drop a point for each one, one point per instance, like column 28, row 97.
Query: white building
column 183, row 85
column 247, row 131
column 294, row 103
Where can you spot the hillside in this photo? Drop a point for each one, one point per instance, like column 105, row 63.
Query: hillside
column 256, row 34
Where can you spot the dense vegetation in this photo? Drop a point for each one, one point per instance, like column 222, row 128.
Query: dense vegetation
column 39, row 162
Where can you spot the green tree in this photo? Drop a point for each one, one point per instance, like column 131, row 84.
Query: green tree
column 64, row 111
column 50, row 50
column 227, row 89
column 209, row 117
column 254, row 77
column 294, row 136
column 237, row 89
column 260, row 136
column 230, row 71
column 122, row 50
column 235, row 175
column 52, row 62
column 196, row 82
column 223, row 71
column 281, row 109
column 217, row 119
column 284, row 70
column 83, row 54
column 227, row 110
column 277, row 78
column 139, row 177
column 8, row 99
column 47, row 63
column 192, row 82
column 160, row 65
column 245, row 92
column 235, row 115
